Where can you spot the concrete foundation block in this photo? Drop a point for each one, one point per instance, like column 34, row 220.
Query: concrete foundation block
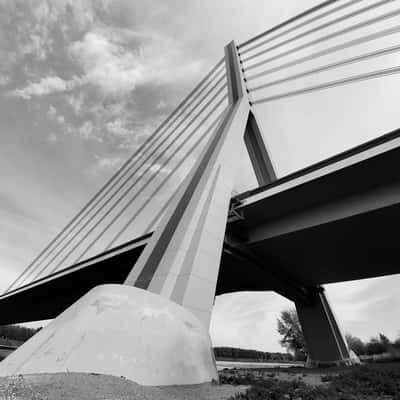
column 123, row 331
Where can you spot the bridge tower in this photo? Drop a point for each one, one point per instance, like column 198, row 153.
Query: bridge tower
column 154, row 328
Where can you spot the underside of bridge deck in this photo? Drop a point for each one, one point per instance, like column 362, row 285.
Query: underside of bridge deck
column 48, row 297
column 331, row 223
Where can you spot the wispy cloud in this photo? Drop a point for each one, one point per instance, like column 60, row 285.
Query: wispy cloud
column 105, row 163
column 111, row 62
column 47, row 85
column 87, row 130
column 76, row 102
column 106, row 64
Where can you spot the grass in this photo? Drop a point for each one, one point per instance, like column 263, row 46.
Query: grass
column 367, row 382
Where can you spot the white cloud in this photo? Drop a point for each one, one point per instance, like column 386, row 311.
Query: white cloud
column 108, row 162
column 38, row 45
column 52, row 112
column 52, row 137
column 34, row 33
column 109, row 63
column 4, row 79
column 54, row 115
column 106, row 64
column 76, row 102
column 161, row 104
column 47, row 85
column 112, row 63
column 115, row 109
column 117, row 127
column 113, row 59
column 105, row 164
column 86, row 130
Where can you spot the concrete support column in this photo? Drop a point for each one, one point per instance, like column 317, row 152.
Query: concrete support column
column 325, row 342
column 181, row 261
column 253, row 138
column 258, row 152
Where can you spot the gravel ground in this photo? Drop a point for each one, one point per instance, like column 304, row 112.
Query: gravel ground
column 82, row 386
column 313, row 377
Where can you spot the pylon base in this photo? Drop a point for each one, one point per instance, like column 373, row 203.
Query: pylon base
column 123, row 331
column 351, row 361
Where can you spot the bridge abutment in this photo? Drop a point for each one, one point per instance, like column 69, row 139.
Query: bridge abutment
column 124, row 331
column 325, row 342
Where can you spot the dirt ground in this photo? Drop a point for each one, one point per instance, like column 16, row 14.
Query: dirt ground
column 82, row 386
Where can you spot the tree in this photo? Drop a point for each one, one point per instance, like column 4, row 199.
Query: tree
column 396, row 343
column 375, row 346
column 355, row 344
column 293, row 339
column 385, row 342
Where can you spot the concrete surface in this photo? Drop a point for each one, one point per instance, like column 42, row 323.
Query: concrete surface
column 122, row 331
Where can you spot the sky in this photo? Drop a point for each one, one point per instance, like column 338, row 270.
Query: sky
column 83, row 82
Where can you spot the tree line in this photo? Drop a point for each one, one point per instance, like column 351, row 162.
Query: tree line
column 235, row 353
column 376, row 345
column 16, row 333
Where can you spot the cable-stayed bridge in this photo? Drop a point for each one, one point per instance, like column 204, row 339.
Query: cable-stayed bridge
column 166, row 221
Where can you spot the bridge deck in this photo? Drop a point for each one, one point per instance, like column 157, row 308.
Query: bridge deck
column 334, row 221
column 331, row 222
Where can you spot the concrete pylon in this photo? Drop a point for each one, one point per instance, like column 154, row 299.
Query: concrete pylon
column 181, row 262
column 325, row 342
